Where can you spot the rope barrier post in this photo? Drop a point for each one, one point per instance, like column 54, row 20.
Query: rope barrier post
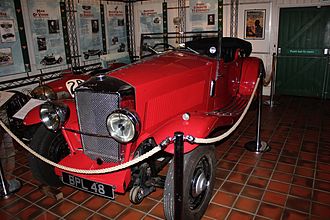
column 8, row 187
column 258, row 146
column 178, row 175
column 271, row 102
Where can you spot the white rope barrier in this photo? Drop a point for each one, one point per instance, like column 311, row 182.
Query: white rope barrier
column 82, row 171
column 227, row 133
column 135, row 160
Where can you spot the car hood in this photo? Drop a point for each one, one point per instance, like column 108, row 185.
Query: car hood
column 159, row 67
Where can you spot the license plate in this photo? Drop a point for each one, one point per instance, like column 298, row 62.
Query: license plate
column 89, row 186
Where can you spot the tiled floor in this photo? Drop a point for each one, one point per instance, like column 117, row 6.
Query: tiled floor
column 292, row 181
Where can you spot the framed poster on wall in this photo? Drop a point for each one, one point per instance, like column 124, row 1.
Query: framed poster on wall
column 11, row 58
column 254, row 23
column 116, row 27
column 204, row 15
column 46, row 27
column 90, row 36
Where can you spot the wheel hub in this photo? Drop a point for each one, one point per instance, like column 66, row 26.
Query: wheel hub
column 200, row 183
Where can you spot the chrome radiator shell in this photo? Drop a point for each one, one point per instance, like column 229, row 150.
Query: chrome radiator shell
column 93, row 108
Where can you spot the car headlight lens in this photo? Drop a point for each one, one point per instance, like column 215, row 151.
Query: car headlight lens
column 43, row 92
column 53, row 115
column 123, row 125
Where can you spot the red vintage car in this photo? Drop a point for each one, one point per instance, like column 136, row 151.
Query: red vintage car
column 117, row 117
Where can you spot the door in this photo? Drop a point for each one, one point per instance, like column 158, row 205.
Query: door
column 303, row 52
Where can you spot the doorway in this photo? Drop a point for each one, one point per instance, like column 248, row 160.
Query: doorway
column 303, row 52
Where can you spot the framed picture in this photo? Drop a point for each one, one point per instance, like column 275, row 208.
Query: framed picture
column 7, row 31
column 53, row 26
column 254, row 23
column 6, row 57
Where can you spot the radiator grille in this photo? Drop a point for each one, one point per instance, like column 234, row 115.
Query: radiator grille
column 93, row 110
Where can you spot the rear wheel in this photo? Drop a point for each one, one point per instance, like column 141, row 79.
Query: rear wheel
column 54, row 147
column 198, row 182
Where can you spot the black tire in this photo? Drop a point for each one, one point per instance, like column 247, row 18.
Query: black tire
column 54, row 147
column 194, row 206
column 15, row 103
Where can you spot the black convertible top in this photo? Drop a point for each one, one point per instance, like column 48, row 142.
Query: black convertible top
column 229, row 45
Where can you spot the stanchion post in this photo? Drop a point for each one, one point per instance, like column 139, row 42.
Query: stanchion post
column 4, row 192
column 258, row 146
column 7, row 187
column 178, row 175
column 271, row 102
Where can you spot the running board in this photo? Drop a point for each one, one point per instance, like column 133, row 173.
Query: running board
column 234, row 108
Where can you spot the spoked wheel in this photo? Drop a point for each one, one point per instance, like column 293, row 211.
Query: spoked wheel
column 198, row 182
column 54, row 147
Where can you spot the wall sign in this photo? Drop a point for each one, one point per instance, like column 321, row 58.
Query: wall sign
column 11, row 59
column 117, row 38
column 90, row 35
column 204, row 15
column 46, row 27
column 151, row 19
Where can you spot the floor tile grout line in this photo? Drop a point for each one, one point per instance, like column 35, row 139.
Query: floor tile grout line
column 242, row 155
column 158, row 203
column 315, row 172
column 277, row 161
column 295, row 166
column 47, row 210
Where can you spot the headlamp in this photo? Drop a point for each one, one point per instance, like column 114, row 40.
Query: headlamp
column 54, row 115
column 123, row 125
column 43, row 92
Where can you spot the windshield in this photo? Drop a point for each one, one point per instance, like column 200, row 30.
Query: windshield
column 153, row 43
column 203, row 43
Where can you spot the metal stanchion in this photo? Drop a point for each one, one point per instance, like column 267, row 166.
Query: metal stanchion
column 271, row 102
column 8, row 187
column 258, row 146
column 178, row 175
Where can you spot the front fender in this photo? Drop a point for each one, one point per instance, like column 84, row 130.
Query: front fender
column 199, row 125
column 33, row 116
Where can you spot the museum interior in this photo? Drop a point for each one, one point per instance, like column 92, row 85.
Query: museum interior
column 165, row 109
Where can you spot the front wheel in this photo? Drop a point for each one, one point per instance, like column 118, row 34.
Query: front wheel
column 54, row 147
column 198, row 183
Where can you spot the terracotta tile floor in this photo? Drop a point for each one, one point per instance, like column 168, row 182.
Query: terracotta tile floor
column 292, row 181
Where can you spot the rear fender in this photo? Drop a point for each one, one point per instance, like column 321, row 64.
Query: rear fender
column 199, row 125
column 251, row 68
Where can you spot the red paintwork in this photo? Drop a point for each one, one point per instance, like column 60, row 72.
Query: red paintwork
column 166, row 86
column 32, row 117
column 81, row 161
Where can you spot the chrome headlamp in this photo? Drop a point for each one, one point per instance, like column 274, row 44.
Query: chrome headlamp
column 123, row 125
column 54, row 115
column 43, row 92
